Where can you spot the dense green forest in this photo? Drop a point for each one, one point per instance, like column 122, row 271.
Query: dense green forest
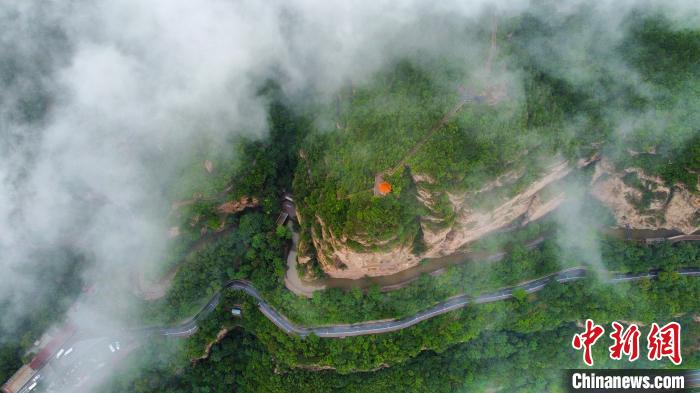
column 483, row 345
column 255, row 252
column 374, row 126
column 506, row 360
column 259, row 169
column 240, row 256
column 384, row 123
column 256, row 248
column 669, row 59
column 400, row 125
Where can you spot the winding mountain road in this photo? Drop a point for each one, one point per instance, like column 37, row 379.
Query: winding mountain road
column 363, row 328
column 377, row 327
column 345, row 330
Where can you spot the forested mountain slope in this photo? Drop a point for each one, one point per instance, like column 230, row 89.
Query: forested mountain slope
column 473, row 146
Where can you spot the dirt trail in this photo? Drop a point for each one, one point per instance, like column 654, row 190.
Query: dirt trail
column 492, row 50
column 492, row 95
column 153, row 291
column 207, row 350
column 149, row 290
column 449, row 115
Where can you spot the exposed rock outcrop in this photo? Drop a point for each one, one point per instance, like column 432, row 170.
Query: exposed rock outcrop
column 339, row 260
column 208, row 166
column 207, row 350
column 648, row 204
column 473, row 223
column 235, row 206
column 636, row 199
column 469, row 223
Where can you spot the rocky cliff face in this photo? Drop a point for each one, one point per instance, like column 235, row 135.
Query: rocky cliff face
column 440, row 237
column 340, row 260
column 644, row 202
column 473, row 223
column 637, row 200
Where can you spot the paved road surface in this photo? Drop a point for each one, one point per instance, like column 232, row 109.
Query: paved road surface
column 345, row 330
column 366, row 328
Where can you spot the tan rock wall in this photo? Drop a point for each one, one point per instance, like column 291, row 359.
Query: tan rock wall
column 679, row 211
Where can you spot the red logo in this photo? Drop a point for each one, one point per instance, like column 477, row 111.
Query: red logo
column 665, row 342
column 662, row 342
column 586, row 340
column 626, row 342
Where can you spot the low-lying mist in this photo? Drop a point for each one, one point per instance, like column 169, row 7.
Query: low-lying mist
column 102, row 102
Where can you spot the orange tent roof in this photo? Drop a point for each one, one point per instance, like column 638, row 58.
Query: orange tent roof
column 384, row 188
